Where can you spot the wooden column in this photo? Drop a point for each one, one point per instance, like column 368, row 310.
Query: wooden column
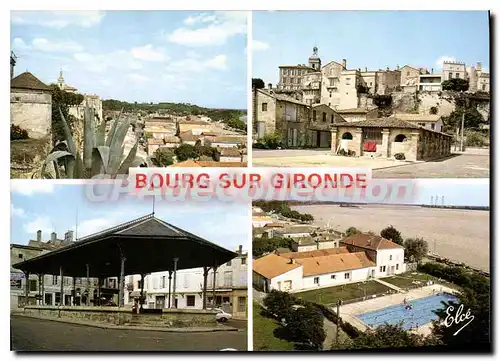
column 26, row 288
column 40, row 288
column 74, row 291
column 141, row 300
column 87, row 300
column 61, row 297
column 214, row 283
column 121, row 296
column 205, row 276
column 43, row 290
column 169, row 287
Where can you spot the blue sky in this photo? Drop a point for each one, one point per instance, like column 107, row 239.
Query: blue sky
column 143, row 56
column 456, row 192
column 373, row 39
column 38, row 204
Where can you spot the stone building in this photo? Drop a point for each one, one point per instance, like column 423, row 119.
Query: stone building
column 385, row 137
column 321, row 117
column 31, row 105
column 453, row 69
column 387, row 81
column 430, row 82
column 429, row 121
column 409, row 79
column 311, row 88
column 290, row 76
column 358, row 114
column 330, row 83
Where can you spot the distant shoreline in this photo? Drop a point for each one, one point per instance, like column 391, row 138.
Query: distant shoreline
column 347, row 204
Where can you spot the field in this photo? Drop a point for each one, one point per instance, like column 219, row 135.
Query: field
column 263, row 337
column 460, row 235
column 405, row 280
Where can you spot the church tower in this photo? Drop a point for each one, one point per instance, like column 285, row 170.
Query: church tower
column 60, row 80
column 314, row 60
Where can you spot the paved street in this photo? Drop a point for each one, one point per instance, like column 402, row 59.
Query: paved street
column 29, row 334
column 471, row 164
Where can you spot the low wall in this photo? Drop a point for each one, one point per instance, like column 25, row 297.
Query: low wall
column 121, row 316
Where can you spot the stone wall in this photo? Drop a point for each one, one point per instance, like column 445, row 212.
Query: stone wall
column 31, row 111
column 267, row 117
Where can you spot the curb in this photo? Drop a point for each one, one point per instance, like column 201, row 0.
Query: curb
column 132, row 328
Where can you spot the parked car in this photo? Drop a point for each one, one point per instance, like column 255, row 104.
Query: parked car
column 221, row 315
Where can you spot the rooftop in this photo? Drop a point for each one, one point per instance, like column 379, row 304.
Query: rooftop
column 28, row 81
column 369, row 241
column 335, row 263
column 417, row 117
column 315, row 253
column 355, row 110
column 273, row 265
column 390, row 122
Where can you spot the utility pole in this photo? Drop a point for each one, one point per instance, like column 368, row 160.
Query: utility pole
column 462, row 132
column 338, row 323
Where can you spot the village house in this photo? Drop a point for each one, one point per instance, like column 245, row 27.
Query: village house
column 190, row 138
column 197, row 127
column 295, row 231
column 322, row 116
column 409, row 79
column 429, row 121
column 360, row 258
column 31, row 105
column 386, row 137
column 358, row 114
column 430, row 82
column 231, row 155
column 227, row 141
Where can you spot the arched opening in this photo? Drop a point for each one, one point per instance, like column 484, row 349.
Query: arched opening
column 400, row 138
column 347, row 135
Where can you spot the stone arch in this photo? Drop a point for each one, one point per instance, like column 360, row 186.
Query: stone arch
column 347, row 135
column 400, row 138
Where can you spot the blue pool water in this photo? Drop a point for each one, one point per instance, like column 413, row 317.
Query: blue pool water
column 420, row 314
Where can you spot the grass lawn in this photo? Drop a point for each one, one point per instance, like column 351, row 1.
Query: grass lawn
column 263, row 337
column 344, row 292
column 404, row 280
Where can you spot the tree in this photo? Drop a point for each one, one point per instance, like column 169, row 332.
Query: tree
column 472, row 119
column 305, row 327
column 258, row 83
column 433, row 110
column 455, row 84
column 351, row 231
column 266, row 245
column 61, row 101
column 272, row 141
column 416, row 249
column 388, row 336
column 278, row 304
column 392, row 234
column 186, row 151
column 163, row 157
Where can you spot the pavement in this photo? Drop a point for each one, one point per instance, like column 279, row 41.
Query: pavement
column 31, row 334
column 387, row 284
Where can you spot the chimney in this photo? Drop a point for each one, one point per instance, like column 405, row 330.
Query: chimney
column 68, row 236
column 270, row 85
column 38, row 236
column 53, row 237
column 344, row 63
column 397, row 67
column 240, row 249
column 479, row 66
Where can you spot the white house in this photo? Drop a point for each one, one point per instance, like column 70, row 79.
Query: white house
column 297, row 231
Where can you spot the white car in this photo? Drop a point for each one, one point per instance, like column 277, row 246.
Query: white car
column 221, row 315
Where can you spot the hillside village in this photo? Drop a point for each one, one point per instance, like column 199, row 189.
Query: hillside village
column 161, row 135
column 404, row 113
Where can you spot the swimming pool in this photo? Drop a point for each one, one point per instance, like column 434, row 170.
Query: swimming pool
column 420, row 314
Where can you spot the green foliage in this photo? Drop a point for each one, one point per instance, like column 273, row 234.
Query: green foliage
column 261, row 246
column 455, row 84
column 272, row 141
column 416, row 249
column 433, row 110
column 388, row 336
column 382, row 101
column 392, row 234
column 457, row 275
column 362, row 89
column 258, row 83
column 61, row 101
column 101, row 155
column 284, row 209
column 476, row 139
column 17, row 133
column 163, row 157
column 304, row 326
column 187, row 151
column 278, row 304
column 472, row 119
column 351, row 231
column 237, row 124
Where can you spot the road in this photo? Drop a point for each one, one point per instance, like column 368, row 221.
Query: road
column 29, row 334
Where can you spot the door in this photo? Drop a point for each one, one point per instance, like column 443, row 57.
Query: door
column 160, row 302
column 295, row 143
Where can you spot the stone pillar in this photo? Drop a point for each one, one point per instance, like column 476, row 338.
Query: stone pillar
column 121, row 294
column 205, row 276
column 40, row 289
column 87, row 301
column 74, row 291
column 214, row 283
column 26, row 288
column 175, row 281
column 358, row 141
column 334, row 131
column 61, row 273
column 386, row 152
column 43, row 290
column 413, row 148
column 169, row 287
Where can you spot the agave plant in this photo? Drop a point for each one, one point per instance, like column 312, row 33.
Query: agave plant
column 101, row 154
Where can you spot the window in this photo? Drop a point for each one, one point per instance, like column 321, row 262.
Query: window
column 382, row 268
column 457, row 75
column 228, row 264
column 407, row 73
column 347, row 135
column 347, row 275
column 330, row 104
column 332, row 82
column 316, row 280
column 332, row 277
column 330, row 94
column 397, row 266
column 433, row 126
column 162, row 282
column 314, row 115
column 33, row 285
column 20, row 255
column 190, row 301
column 54, row 280
column 228, row 278
column 139, row 284
column 244, row 261
column 331, row 120
column 484, row 87
column 242, row 304
column 264, row 107
column 450, row 75
column 400, row 138
column 324, row 117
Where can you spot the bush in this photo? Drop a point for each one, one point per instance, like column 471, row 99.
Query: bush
column 272, row 141
column 278, row 304
column 475, row 139
column 352, row 231
column 400, row 156
column 17, row 133
column 259, row 145
column 392, row 234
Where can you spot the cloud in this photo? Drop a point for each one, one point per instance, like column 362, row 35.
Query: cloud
column 91, row 226
column 30, row 187
column 18, row 44
column 259, row 45
column 45, row 45
column 137, row 78
column 217, row 62
column 99, row 63
column 17, row 212
column 57, row 19
column 148, row 53
column 215, row 29
column 442, row 59
column 42, row 223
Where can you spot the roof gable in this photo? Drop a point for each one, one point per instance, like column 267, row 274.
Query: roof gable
column 27, row 80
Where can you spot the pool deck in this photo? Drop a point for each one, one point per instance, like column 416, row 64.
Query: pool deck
column 349, row 312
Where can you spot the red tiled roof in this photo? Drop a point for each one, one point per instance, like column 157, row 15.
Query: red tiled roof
column 27, row 80
column 369, row 241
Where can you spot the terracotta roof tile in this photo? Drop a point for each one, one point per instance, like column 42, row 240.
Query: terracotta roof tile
column 315, row 253
column 273, row 265
column 27, row 80
column 334, row 263
column 369, row 241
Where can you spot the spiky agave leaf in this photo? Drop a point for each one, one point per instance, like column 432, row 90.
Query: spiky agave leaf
column 112, row 130
column 67, row 134
column 127, row 163
column 88, row 139
column 52, row 158
column 100, row 160
column 116, row 152
column 101, row 134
